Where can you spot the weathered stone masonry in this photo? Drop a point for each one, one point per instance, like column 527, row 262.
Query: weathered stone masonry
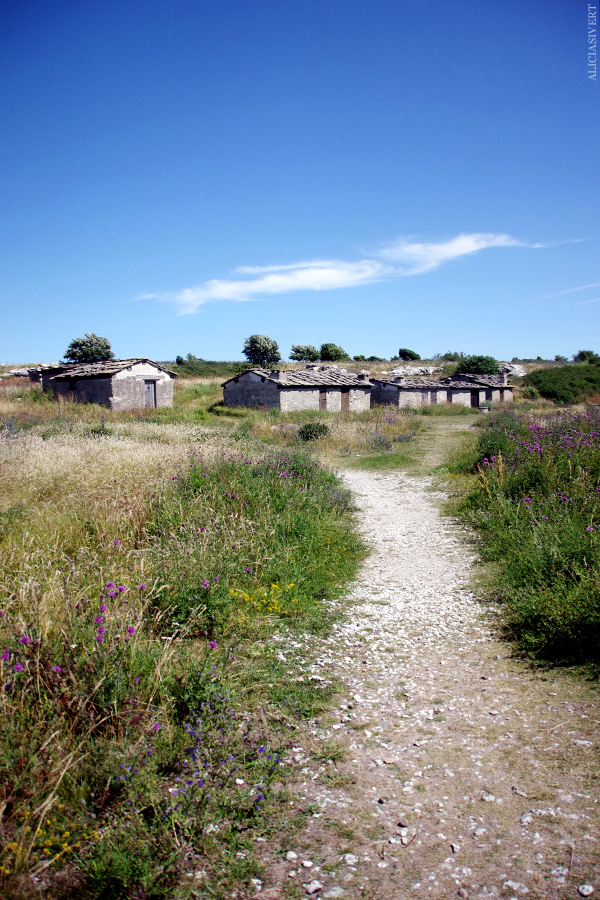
column 116, row 384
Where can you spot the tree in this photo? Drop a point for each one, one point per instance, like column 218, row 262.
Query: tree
column 261, row 350
column 585, row 356
column 304, row 353
column 407, row 355
column 477, row 365
column 89, row 349
column 332, row 353
column 559, row 358
column 451, row 356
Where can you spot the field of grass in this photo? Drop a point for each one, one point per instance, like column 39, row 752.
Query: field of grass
column 148, row 559
column 532, row 494
column 145, row 568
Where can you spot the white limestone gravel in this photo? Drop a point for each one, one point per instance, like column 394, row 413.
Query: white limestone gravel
column 465, row 770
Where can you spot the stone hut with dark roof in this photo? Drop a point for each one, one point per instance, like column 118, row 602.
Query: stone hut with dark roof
column 314, row 387
column 464, row 390
column 118, row 384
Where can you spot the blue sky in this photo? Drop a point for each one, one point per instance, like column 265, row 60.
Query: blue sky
column 179, row 175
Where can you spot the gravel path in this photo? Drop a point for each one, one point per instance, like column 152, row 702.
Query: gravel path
column 464, row 771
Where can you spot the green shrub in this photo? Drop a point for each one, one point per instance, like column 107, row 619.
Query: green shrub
column 566, row 384
column 535, row 502
column 531, row 393
column 312, row 431
column 477, row 365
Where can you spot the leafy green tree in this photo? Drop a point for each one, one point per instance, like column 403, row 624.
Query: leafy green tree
column 304, row 353
column 559, row 358
column 261, row 350
column 477, row 365
column 585, row 356
column 89, row 349
column 332, row 353
column 407, row 355
column 452, row 356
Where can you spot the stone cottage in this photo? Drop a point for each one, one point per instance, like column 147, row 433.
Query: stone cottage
column 118, row 384
column 314, row 387
column 465, row 390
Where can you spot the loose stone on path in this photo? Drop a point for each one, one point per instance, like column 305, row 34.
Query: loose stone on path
column 458, row 777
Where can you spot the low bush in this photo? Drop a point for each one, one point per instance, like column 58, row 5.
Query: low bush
column 312, row 431
column 566, row 384
column 535, row 503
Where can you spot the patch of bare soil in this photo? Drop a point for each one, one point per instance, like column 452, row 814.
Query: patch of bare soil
column 455, row 769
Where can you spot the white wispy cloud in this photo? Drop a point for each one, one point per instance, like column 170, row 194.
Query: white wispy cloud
column 399, row 258
column 573, row 290
column 419, row 257
column 583, row 302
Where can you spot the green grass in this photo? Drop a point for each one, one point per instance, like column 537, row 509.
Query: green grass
column 383, row 461
column 532, row 494
column 138, row 609
column 446, row 409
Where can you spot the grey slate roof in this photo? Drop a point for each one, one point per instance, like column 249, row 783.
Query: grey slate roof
column 104, row 369
column 453, row 381
column 411, row 383
column 318, row 377
column 483, row 380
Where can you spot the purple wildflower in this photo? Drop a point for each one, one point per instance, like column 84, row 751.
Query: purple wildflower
column 117, row 543
column 156, row 727
column 213, row 645
column 141, row 587
column 18, row 667
column 103, row 608
column 6, row 655
column 24, row 639
column 57, row 669
column 99, row 620
column 121, row 588
column 110, row 584
column 131, row 630
column 205, row 583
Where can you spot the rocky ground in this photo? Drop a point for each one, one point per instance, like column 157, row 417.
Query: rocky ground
column 449, row 767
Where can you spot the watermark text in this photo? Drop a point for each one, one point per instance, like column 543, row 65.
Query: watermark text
column 592, row 41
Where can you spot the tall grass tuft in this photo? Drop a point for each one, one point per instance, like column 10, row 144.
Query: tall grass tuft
column 535, row 502
column 141, row 581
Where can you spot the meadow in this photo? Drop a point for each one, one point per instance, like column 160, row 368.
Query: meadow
column 146, row 567
column 532, row 495
column 149, row 561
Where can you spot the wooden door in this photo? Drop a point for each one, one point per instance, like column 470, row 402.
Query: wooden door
column 475, row 399
column 322, row 399
column 345, row 400
column 150, row 394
